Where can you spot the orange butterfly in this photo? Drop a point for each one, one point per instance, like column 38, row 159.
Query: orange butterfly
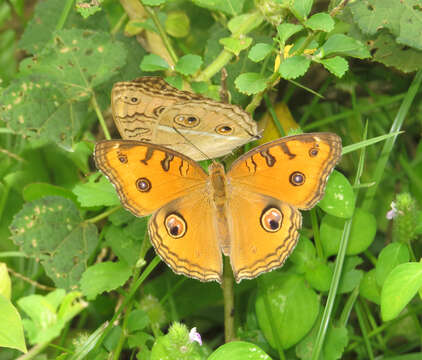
column 249, row 214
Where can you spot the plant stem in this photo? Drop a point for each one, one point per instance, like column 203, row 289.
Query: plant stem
column 228, row 296
column 153, row 15
column 103, row 215
column 317, row 238
column 65, row 13
column 97, row 109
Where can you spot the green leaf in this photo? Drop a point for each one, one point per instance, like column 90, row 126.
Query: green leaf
column 5, row 282
column 188, row 64
column 105, row 276
column 176, row 81
column 339, row 44
column 303, row 254
column 239, row 350
column 251, row 83
column 236, row 24
column 137, row 320
column 336, row 65
column 126, row 242
column 285, row 30
column 177, row 24
column 153, row 2
column 98, row 191
column 319, row 274
column 39, row 110
column 236, row 45
column 401, row 19
column 302, row 7
column 37, row 191
column 52, row 231
column 369, row 288
column 388, row 52
column 259, row 52
column 400, row 286
column 389, row 258
column 49, row 314
column 11, row 329
column 230, row 7
column 152, row 62
column 339, row 199
column 293, row 67
column 89, row 9
column 362, row 234
column 78, row 61
column 282, row 300
column 350, row 277
column 320, row 21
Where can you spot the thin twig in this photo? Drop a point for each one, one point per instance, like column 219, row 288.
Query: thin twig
column 32, row 282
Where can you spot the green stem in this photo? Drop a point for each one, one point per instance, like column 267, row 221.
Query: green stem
column 257, row 98
column 153, row 15
column 103, row 215
column 271, row 110
column 134, row 287
column 97, row 109
column 228, row 295
column 389, row 143
column 364, row 331
column 65, row 13
column 31, row 354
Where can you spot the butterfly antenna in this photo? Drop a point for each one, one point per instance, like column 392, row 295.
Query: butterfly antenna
column 190, row 142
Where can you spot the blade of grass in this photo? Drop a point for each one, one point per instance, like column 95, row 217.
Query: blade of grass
column 388, row 145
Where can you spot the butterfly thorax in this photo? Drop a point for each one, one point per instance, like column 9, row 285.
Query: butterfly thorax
column 218, row 185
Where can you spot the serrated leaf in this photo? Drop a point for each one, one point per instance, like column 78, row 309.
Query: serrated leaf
column 259, row 52
column 251, row 83
column 78, row 60
column 98, row 191
column 152, row 62
column 52, row 231
column 188, row 64
column 285, row 30
column 88, row 9
column 401, row 18
column 340, row 44
column 336, row 65
column 11, row 329
column 39, row 110
column 320, row 21
column 239, row 350
column 104, row 276
column 236, row 45
column 293, row 67
column 400, row 286
column 176, row 81
column 230, row 7
column 389, row 53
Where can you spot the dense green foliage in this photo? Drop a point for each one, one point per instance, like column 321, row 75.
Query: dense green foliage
column 78, row 277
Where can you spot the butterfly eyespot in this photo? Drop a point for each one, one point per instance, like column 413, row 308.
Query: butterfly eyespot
column 186, row 120
column 224, row 130
column 122, row 158
column 313, row 152
column 175, row 225
column 271, row 219
column 134, row 100
column 159, row 110
column 143, row 184
column 297, row 178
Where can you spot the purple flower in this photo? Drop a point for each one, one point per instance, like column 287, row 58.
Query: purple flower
column 195, row 336
column 393, row 212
